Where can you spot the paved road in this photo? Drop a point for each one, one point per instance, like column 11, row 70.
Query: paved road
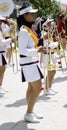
column 52, row 107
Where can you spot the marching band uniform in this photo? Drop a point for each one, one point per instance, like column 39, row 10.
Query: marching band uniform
column 6, row 30
column 50, row 73
column 3, row 47
column 9, row 28
column 28, row 57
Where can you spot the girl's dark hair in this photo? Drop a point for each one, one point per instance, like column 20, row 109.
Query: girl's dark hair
column 24, row 6
column 19, row 21
column 20, row 18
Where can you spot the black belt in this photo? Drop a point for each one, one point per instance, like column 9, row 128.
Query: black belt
column 2, row 51
column 49, row 53
column 29, row 63
column 22, row 56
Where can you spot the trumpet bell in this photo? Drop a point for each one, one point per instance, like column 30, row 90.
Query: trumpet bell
column 51, row 67
column 60, row 52
column 6, row 7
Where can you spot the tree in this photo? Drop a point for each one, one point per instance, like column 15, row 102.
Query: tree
column 46, row 7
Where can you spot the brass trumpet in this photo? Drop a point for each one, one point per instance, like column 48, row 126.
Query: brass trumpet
column 60, row 49
column 61, row 53
column 13, row 31
column 51, row 66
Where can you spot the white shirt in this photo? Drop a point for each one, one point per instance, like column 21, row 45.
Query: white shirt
column 26, row 47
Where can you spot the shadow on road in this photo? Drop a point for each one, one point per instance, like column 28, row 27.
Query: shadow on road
column 18, row 103
column 65, row 106
column 60, row 79
column 20, row 125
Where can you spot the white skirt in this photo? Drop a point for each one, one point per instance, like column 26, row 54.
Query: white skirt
column 31, row 73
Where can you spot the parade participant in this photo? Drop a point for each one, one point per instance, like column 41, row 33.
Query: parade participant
column 30, row 70
column 49, row 43
column 66, row 25
column 61, row 29
column 6, row 9
column 3, row 46
column 6, row 31
column 66, row 30
column 61, row 24
column 8, row 28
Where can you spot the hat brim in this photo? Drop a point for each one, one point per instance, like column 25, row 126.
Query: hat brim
column 28, row 10
column 51, row 20
column 33, row 11
column 48, row 21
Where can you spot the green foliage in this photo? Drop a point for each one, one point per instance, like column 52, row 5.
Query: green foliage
column 46, row 7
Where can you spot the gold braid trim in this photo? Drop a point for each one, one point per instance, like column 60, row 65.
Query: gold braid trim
column 34, row 37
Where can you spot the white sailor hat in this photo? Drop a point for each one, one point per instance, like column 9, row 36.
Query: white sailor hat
column 47, row 21
column 27, row 9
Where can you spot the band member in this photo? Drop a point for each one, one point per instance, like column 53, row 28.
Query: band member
column 9, row 30
column 3, row 47
column 30, row 70
column 50, row 46
column 66, row 25
column 66, row 31
column 61, row 29
column 6, row 32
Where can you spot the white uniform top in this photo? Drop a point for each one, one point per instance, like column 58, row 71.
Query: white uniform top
column 26, row 47
column 29, row 65
column 52, row 45
column 3, row 47
column 6, row 30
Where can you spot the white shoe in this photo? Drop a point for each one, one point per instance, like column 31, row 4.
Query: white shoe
column 38, row 116
column 50, row 92
column 31, row 118
column 45, row 92
column 2, row 91
column 53, row 91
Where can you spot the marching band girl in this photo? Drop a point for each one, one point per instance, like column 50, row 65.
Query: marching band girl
column 3, row 47
column 50, row 45
column 29, row 61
